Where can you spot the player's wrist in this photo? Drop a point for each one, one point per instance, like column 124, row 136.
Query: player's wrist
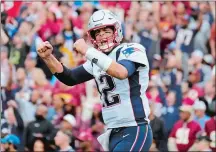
column 47, row 57
column 100, row 59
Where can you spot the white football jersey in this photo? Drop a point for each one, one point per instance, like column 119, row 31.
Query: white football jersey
column 124, row 101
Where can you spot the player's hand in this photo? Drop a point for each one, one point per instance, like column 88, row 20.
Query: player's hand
column 80, row 46
column 45, row 49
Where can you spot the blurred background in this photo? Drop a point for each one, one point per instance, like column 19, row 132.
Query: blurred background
column 39, row 113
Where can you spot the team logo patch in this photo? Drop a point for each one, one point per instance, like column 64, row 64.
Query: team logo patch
column 127, row 52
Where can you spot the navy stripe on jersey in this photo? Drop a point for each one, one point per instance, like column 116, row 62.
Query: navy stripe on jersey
column 129, row 65
column 118, row 53
column 136, row 100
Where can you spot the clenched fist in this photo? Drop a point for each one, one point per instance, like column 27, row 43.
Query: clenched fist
column 80, row 46
column 45, row 49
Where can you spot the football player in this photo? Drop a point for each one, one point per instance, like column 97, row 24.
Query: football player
column 121, row 72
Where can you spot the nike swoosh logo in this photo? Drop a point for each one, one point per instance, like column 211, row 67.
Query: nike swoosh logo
column 125, row 135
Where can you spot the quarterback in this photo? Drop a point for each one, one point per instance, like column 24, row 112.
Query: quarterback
column 121, row 72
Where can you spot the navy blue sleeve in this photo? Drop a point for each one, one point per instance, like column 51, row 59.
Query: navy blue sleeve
column 129, row 65
column 74, row 76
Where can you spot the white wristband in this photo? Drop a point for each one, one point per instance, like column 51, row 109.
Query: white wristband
column 100, row 59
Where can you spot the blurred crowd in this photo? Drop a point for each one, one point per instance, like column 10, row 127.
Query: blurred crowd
column 39, row 113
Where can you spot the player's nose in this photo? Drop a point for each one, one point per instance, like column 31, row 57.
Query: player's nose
column 101, row 33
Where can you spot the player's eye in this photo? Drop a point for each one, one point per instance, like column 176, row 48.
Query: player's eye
column 96, row 34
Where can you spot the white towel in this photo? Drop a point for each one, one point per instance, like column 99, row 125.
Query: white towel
column 104, row 139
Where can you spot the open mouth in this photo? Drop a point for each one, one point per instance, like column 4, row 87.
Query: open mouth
column 103, row 42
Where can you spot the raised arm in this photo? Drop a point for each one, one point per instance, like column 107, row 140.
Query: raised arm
column 65, row 75
column 45, row 52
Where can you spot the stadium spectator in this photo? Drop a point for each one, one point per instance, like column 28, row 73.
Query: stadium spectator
column 30, row 65
column 147, row 34
column 184, row 132
column 40, row 144
column 49, row 25
column 69, row 35
column 58, row 112
column 62, row 140
column 18, row 51
column 206, row 11
column 85, row 141
column 14, row 123
column 209, row 96
column 38, row 128
column 170, row 111
column 185, row 45
column 166, row 24
column 21, row 81
column 25, row 98
column 158, row 129
column 200, row 117
column 69, row 124
column 201, row 72
column 10, row 143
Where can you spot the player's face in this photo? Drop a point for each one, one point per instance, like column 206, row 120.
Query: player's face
column 104, row 37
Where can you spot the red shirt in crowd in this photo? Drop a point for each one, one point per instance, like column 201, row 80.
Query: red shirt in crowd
column 76, row 91
column 210, row 129
column 12, row 8
column 185, row 134
column 49, row 29
column 156, row 99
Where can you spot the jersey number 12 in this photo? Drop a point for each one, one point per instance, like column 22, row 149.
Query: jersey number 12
column 110, row 86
